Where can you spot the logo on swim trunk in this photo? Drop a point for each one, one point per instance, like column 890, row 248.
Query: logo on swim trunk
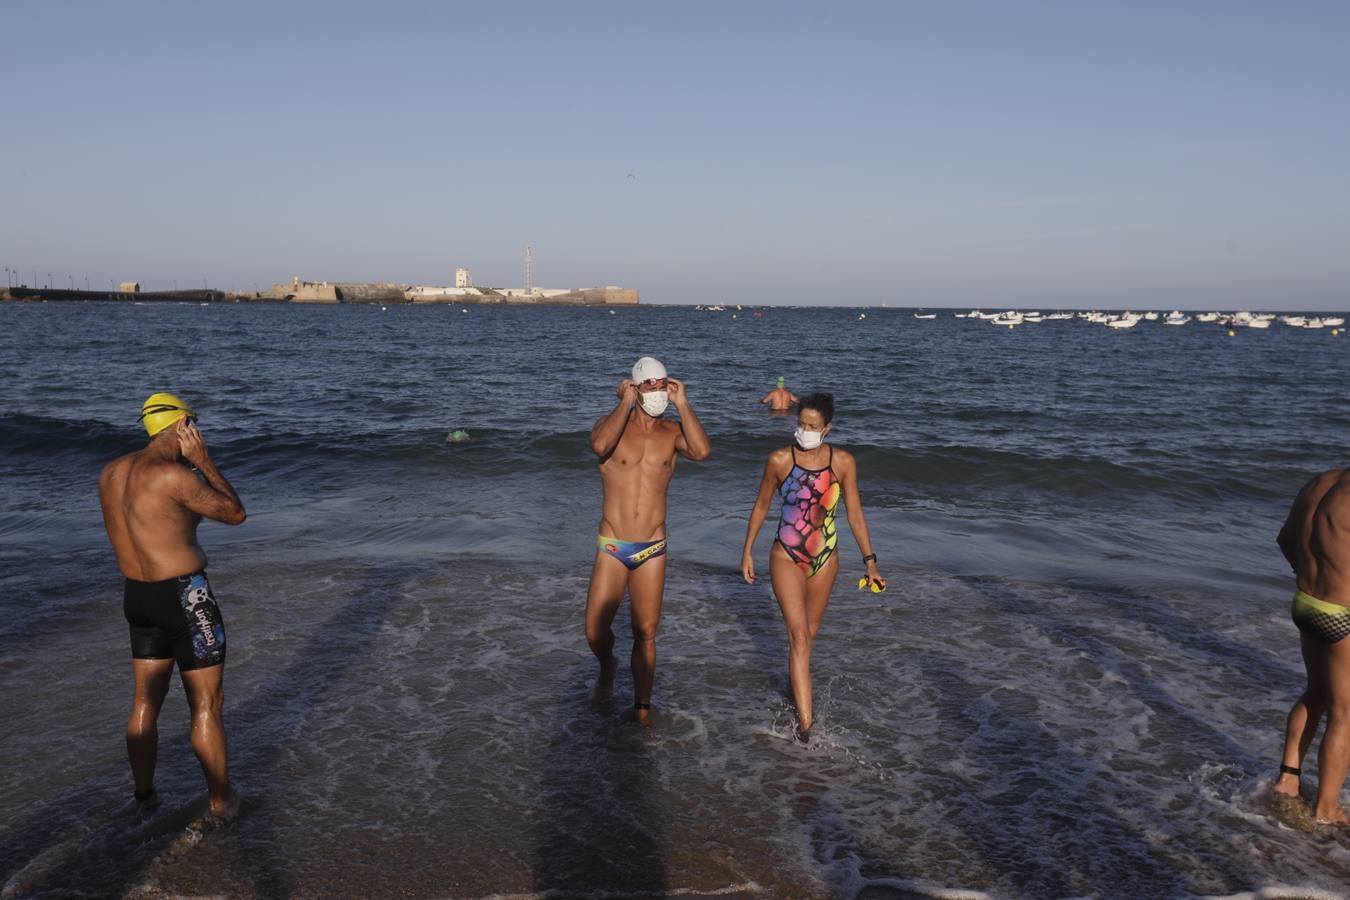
column 208, row 638
column 611, row 548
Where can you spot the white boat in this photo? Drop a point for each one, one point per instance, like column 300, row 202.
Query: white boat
column 1009, row 318
column 1334, row 322
column 1293, row 321
column 1313, row 323
column 1059, row 316
column 1125, row 321
column 1176, row 317
column 926, row 316
column 1151, row 316
column 1207, row 317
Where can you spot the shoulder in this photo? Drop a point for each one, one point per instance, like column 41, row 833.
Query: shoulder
column 1336, row 499
column 779, row 461
column 116, row 467
column 1318, row 489
column 842, row 459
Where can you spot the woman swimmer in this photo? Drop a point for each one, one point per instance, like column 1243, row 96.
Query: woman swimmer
column 809, row 476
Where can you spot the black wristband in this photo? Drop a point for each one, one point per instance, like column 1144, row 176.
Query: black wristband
column 871, row 557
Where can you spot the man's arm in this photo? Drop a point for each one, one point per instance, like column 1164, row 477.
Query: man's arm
column 1286, row 538
column 767, row 398
column 693, row 440
column 609, row 429
column 216, row 498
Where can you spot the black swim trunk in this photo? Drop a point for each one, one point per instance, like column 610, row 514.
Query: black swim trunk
column 175, row 619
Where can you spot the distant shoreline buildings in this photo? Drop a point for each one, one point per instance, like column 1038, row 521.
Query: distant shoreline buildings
column 298, row 290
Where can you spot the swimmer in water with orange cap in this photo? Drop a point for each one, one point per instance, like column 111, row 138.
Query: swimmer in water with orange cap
column 152, row 502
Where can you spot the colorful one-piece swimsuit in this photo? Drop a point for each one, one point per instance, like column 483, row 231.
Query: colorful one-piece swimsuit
column 806, row 524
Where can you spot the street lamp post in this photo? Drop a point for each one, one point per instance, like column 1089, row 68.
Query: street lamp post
column 71, row 278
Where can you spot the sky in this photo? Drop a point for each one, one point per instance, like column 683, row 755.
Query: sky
column 944, row 154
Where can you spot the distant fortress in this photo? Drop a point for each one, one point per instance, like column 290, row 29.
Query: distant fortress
column 298, row 291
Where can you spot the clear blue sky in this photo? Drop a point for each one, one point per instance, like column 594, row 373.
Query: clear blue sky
column 946, row 154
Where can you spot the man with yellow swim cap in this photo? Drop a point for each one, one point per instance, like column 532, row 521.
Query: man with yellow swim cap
column 152, row 502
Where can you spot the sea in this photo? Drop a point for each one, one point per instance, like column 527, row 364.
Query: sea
column 1075, row 685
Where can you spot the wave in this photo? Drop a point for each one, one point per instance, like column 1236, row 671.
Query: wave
column 27, row 439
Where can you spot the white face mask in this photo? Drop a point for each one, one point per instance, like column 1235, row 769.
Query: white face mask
column 808, row 440
column 654, row 403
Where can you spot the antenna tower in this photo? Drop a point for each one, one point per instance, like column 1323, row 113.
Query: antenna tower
column 529, row 269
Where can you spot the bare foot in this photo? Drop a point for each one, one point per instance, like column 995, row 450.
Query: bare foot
column 803, row 732
column 1286, row 784
column 604, row 685
column 1335, row 817
column 225, row 810
column 642, row 714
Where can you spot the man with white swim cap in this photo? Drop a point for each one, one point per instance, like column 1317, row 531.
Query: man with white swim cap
column 152, row 502
column 1315, row 540
column 637, row 448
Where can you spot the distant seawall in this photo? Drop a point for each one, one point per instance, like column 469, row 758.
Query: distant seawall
column 38, row 294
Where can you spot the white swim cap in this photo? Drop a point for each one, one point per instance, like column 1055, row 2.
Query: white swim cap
column 648, row 368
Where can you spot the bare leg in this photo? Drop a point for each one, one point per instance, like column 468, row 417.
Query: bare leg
column 1306, row 713
column 608, row 578
column 1334, row 757
column 802, row 601
column 646, row 589
column 152, row 684
column 206, row 699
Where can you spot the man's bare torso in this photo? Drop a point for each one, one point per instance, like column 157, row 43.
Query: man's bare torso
column 153, row 535
column 1318, row 531
column 635, row 478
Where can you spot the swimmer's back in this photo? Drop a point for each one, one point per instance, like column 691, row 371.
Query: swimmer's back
column 1317, row 537
column 153, row 534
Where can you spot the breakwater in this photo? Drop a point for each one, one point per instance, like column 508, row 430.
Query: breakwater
column 193, row 296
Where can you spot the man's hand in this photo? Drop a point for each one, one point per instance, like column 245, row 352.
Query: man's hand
column 191, row 443
column 628, row 390
column 675, row 391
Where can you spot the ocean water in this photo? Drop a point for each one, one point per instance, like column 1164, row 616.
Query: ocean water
column 1075, row 686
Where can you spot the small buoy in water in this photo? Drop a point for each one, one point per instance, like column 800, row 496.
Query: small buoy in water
column 611, row 312
column 861, row 316
column 1231, row 332
column 384, row 309
column 463, row 310
column 733, row 315
column 1335, row 331
column 458, row 436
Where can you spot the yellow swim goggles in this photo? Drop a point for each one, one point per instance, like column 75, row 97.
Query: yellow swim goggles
column 876, row 587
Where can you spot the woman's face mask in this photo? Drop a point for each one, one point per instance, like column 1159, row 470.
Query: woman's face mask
column 654, row 402
column 808, row 440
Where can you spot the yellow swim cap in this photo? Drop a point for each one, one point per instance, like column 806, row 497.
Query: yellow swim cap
column 161, row 410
